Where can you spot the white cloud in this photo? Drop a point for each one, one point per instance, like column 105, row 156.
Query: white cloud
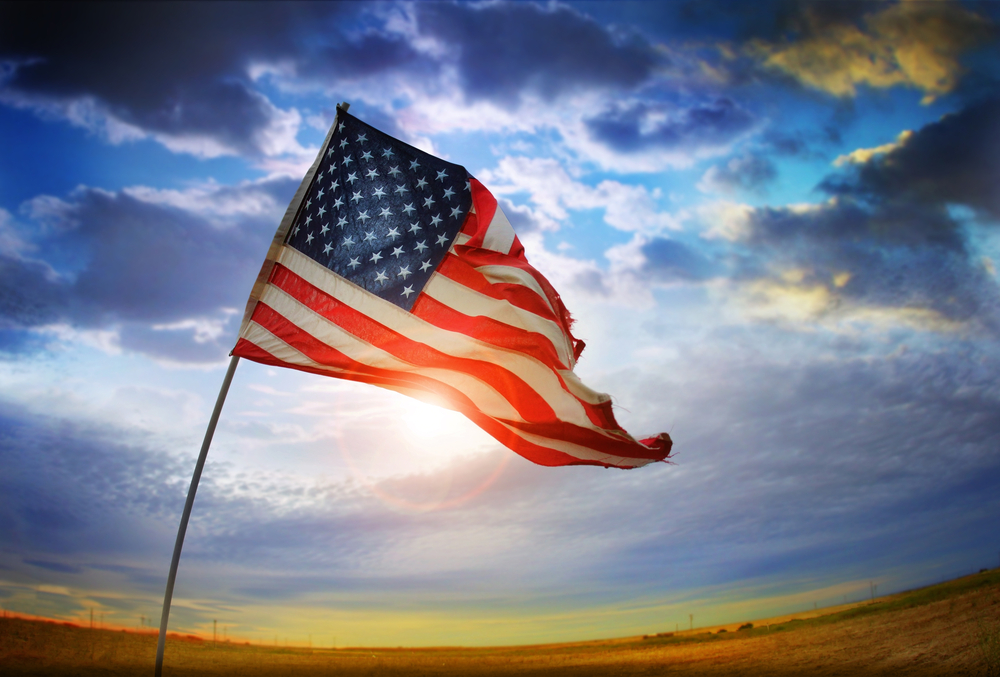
column 205, row 329
column 278, row 137
column 725, row 220
column 555, row 194
column 106, row 341
column 221, row 203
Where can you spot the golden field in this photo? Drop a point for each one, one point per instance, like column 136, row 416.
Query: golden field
column 952, row 629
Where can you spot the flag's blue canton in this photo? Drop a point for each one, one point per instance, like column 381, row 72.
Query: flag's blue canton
column 379, row 212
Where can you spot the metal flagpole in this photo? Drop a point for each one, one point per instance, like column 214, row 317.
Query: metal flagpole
column 187, row 511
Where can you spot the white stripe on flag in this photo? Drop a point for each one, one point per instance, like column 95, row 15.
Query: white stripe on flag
column 273, row 345
column 581, row 390
column 535, row 374
column 483, row 395
column 512, row 275
column 500, row 235
column 471, row 303
column 579, row 451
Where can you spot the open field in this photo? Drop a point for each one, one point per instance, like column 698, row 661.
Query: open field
column 930, row 631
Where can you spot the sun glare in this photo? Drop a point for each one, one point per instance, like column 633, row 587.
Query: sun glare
column 426, row 476
column 428, row 420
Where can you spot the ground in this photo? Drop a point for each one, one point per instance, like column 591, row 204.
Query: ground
column 937, row 630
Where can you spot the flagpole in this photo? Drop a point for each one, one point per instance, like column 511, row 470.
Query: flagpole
column 187, row 511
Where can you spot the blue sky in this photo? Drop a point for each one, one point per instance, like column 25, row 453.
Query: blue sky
column 775, row 224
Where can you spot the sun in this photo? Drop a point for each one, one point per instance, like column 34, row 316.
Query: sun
column 427, row 421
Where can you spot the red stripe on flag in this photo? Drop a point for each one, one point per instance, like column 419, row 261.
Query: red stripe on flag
column 539, row 418
column 528, row 403
column 355, row 371
column 459, row 269
column 472, row 252
column 487, row 329
column 509, row 338
column 474, row 258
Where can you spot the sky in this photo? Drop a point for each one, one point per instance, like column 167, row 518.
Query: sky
column 775, row 223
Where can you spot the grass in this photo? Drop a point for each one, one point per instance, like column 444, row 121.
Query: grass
column 989, row 647
column 30, row 647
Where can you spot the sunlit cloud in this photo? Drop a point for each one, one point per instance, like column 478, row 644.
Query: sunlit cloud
column 863, row 155
column 909, row 44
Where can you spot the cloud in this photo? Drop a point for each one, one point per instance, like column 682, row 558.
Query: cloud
column 424, row 68
column 883, row 264
column 502, row 51
column 745, row 450
column 163, row 271
column 912, row 44
column 159, row 70
column 640, row 126
column 950, row 161
column 748, row 172
column 888, row 248
column 555, row 194
column 669, row 260
column 648, row 261
column 838, row 493
column 862, row 155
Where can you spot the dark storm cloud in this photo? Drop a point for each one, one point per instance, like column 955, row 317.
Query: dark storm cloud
column 955, row 160
column 768, row 20
column 895, row 257
column 182, row 68
column 892, row 228
column 672, row 261
column 139, row 265
column 641, row 126
column 164, row 67
column 367, row 55
column 507, row 49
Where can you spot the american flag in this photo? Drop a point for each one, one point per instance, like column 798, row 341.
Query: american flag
column 396, row 268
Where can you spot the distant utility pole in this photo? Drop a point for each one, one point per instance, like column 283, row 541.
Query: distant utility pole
column 142, row 622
